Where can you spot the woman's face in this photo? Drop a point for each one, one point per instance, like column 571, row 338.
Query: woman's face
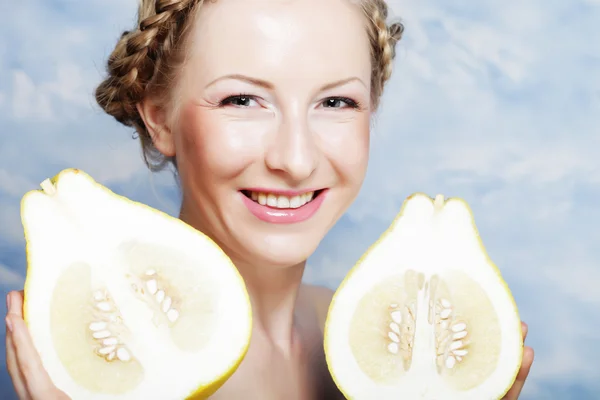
column 272, row 133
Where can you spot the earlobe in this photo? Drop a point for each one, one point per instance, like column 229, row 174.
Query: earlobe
column 155, row 119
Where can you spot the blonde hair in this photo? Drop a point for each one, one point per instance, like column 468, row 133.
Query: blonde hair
column 146, row 58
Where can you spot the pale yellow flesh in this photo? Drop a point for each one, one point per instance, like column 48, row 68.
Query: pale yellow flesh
column 178, row 321
column 454, row 332
column 463, row 360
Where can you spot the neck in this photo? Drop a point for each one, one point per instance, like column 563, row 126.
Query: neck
column 273, row 291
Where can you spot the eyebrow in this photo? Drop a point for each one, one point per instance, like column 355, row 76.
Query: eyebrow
column 342, row 82
column 270, row 86
column 239, row 77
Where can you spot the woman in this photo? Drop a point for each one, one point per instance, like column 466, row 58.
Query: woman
column 260, row 105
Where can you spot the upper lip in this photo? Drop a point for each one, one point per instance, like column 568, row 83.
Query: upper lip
column 281, row 192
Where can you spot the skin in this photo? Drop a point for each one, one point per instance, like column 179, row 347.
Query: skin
column 289, row 134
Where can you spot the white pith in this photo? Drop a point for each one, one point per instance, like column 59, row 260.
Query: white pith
column 429, row 241
column 281, row 201
column 77, row 221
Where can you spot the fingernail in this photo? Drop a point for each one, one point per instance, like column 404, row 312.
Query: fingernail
column 8, row 324
column 8, row 302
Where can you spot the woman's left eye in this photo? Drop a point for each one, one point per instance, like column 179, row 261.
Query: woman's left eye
column 339, row 102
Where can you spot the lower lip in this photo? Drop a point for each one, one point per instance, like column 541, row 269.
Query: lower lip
column 284, row 215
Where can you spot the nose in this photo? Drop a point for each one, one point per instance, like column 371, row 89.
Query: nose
column 293, row 151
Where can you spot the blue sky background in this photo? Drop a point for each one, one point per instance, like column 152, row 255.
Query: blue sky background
column 495, row 102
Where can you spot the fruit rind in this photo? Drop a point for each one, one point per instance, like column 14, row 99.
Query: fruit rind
column 357, row 266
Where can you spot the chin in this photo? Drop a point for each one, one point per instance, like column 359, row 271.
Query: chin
column 283, row 250
column 264, row 235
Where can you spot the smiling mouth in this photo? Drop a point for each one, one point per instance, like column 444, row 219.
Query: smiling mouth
column 280, row 201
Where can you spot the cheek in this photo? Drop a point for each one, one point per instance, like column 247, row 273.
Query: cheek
column 346, row 145
column 213, row 146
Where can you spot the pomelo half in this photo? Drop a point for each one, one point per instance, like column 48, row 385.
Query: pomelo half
column 425, row 314
column 124, row 301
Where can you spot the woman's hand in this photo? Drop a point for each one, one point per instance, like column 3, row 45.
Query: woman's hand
column 515, row 391
column 30, row 379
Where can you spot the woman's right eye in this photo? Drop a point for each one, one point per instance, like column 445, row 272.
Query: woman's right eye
column 242, row 101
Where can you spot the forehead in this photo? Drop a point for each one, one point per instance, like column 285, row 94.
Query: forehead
column 273, row 39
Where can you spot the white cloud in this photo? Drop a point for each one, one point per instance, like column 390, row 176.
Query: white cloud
column 9, row 278
column 55, row 97
column 326, row 271
column 69, row 85
column 27, row 101
column 53, row 64
column 499, row 90
column 575, row 279
column 11, row 230
column 568, row 339
column 14, row 185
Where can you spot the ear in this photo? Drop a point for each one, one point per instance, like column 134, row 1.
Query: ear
column 155, row 119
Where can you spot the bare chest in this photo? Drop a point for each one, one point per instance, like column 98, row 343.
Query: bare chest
column 304, row 378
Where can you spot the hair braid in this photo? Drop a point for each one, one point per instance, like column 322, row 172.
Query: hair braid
column 143, row 59
column 384, row 38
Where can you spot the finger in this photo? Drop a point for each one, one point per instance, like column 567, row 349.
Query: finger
column 36, row 379
column 13, row 367
column 515, row 391
column 16, row 303
column 14, row 372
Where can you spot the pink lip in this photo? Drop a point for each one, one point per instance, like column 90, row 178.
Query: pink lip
column 284, row 215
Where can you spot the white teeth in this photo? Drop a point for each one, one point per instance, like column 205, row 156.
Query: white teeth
column 295, row 202
column 283, row 202
column 273, row 200
column 262, row 199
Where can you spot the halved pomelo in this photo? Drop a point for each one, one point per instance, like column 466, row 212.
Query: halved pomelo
column 126, row 302
column 425, row 314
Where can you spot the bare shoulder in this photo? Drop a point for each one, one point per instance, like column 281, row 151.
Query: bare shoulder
column 320, row 297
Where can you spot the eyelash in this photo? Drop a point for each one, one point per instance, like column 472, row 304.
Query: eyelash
column 350, row 102
column 229, row 99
